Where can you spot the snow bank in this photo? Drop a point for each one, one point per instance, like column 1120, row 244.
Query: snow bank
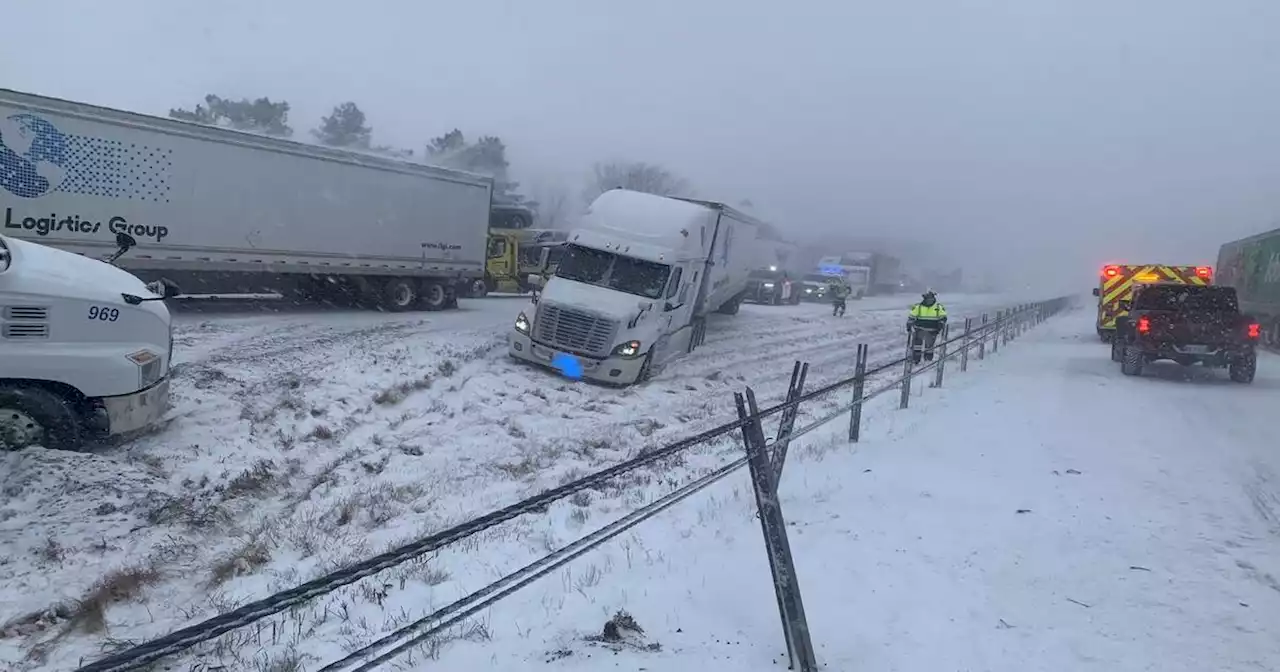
column 300, row 443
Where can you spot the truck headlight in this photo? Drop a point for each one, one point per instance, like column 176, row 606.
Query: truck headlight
column 150, row 367
column 4, row 257
column 522, row 324
column 628, row 349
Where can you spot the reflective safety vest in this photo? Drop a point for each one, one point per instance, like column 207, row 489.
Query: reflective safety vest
column 927, row 317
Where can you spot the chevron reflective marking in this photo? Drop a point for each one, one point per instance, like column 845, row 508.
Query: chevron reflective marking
column 1120, row 287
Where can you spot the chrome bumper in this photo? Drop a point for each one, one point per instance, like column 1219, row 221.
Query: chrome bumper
column 131, row 412
column 614, row 370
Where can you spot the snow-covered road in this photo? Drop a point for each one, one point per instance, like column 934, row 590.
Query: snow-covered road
column 1042, row 512
column 302, row 441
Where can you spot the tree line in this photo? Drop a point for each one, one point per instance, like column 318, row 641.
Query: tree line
column 347, row 127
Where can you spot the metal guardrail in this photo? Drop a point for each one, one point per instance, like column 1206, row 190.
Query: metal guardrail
column 765, row 459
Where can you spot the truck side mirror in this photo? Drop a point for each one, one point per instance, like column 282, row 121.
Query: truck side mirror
column 1095, row 291
column 535, row 281
column 171, row 288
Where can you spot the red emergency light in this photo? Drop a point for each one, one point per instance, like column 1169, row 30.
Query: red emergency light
column 1144, row 325
column 1255, row 331
column 1205, row 272
column 1110, row 271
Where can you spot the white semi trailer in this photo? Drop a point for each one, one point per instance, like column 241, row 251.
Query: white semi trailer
column 221, row 211
column 635, row 284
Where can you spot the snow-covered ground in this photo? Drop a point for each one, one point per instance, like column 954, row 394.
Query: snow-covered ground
column 1041, row 512
column 303, row 441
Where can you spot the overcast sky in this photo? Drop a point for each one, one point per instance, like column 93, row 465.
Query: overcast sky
column 1041, row 135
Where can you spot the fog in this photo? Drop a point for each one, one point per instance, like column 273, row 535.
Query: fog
column 1034, row 136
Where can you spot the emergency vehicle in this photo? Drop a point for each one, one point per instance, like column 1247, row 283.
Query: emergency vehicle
column 1117, row 282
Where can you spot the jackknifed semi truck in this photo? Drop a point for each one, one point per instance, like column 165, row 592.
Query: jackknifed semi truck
column 1252, row 266
column 635, row 285
column 221, row 211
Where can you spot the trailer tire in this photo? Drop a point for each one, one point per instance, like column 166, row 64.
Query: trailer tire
column 434, row 296
column 31, row 416
column 399, row 295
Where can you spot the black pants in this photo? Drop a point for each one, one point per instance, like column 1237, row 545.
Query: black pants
column 922, row 341
column 837, row 306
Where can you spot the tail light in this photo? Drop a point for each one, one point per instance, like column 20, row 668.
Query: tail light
column 1205, row 272
column 1144, row 325
column 1255, row 331
column 1110, row 271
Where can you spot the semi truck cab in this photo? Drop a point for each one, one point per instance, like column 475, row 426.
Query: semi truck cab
column 85, row 348
column 634, row 285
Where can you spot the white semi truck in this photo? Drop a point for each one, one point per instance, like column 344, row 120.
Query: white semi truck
column 635, row 285
column 85, row 348
column 226, row 212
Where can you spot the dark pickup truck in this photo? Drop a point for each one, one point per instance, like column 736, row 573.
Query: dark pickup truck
column 772, row 286
column 1186, row 324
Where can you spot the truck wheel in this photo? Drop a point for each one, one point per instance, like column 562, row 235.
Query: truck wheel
column 1132, row 362
column 1242, row 370
column 399, row 295
column 434, row 296
column 646, row 369
column 30, row 416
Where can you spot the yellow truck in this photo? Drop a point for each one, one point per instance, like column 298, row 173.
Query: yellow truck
column 1116, row 283
column 516, row 254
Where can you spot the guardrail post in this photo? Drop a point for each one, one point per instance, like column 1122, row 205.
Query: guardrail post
column 788, row 422
column 982, row 339
column 965, row 344
column 859, row 383
column 906, row 373
column 795, row 627
column 996, row 328
column 941, row 355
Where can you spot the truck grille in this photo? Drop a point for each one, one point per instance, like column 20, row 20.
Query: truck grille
column 26, row 331
column 26, row 313
column 25, row 322
column 575, row 330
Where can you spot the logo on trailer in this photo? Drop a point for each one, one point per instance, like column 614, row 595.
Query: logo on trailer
column 37, row 159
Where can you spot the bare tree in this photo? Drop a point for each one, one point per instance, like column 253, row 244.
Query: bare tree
column 554, row 207
column 636, row 176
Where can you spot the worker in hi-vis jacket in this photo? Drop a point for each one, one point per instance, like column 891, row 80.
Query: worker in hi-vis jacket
column 925, row 322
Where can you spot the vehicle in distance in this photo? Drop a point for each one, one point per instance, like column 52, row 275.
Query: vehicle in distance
column 1187, row 324
column 1116, row 283
column 1252, row 266
column 772, row 286
column 814, row 287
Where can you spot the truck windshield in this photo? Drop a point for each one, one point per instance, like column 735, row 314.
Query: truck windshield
column 614, row 271
column 1187, row 297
